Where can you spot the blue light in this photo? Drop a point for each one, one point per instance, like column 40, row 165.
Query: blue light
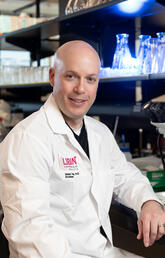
column 132, row 6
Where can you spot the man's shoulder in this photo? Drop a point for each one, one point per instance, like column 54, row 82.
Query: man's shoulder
column 32, row 124
column 31, row 120
column 97, row 125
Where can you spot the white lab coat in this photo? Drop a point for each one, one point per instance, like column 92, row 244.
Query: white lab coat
column 54, row 198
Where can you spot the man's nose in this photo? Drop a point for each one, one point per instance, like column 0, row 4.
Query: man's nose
column 80, row 87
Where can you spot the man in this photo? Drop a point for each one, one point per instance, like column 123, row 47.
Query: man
column 59, row 169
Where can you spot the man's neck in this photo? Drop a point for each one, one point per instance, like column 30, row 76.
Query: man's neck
column 74, row 123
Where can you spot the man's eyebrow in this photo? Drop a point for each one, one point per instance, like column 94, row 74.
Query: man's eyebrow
column 93, row 74
column 71, row 71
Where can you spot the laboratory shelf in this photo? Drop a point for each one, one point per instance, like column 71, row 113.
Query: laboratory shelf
column 25, row 85
column 155, row 76
column 36, row 38
column 25, row 106
column 122, row 109
column 102, row 80
column 7, row 46
column 125, row 78
column 131, row 78
column 143, row 77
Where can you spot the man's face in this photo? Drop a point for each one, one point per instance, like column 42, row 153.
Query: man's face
column 75, row 83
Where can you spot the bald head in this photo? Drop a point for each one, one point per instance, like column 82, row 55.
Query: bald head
column 75, row 48
column 74, row 79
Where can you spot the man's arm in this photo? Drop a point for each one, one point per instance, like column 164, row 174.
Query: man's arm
column 151, row 222
column 134, row 190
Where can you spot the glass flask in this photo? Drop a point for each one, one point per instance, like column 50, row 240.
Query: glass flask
column 151, row 61
column 142, row 52
column 155, row 55
column 122, row 55
column 69, row 7
column 161, row 51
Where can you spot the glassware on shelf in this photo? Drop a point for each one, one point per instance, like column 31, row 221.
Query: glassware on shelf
column 155, row 55
column 91, row 3
column 104, row 1
column 1, row 74
column 142, row 52
column 122, row 56
column 151, row 61
column 69, row 7
column 23, row 74
column 79, row 5
column 161, row 51
column 45, row 73
column 7, row 74
column 105, row 72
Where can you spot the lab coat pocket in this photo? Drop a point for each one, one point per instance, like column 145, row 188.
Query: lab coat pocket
column 62, row 193
column 69, row 193
column 70, row 183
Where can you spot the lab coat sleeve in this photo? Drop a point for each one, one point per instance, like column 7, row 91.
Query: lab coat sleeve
column 25, row 169
column 131, row 187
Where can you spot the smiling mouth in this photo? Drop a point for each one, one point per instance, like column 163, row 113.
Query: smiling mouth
column 78, row 100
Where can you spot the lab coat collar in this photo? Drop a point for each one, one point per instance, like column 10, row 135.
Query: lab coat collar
column 54, row 117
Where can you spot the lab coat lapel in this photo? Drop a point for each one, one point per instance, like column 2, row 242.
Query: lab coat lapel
column 94, row 142
column 76, row 144
column 102, row 186
column 58, row 125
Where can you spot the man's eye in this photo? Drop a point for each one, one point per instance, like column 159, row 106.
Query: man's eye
column 69, row 76
column 91, row 79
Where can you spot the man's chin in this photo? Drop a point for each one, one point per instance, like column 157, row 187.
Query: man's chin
column 74, row 116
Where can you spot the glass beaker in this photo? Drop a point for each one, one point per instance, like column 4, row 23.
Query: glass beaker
column 161, row 51
column 122, row 54
column 142, row 52
column 151, row 62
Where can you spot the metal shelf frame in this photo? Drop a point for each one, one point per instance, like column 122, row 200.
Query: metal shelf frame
column 142, row 77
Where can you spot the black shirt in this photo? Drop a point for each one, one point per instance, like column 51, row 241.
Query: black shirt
column 82, row 139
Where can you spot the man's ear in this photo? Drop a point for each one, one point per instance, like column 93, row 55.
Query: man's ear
column 51, row 76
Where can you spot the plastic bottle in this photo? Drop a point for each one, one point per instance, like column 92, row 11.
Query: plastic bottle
column 127, row 153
